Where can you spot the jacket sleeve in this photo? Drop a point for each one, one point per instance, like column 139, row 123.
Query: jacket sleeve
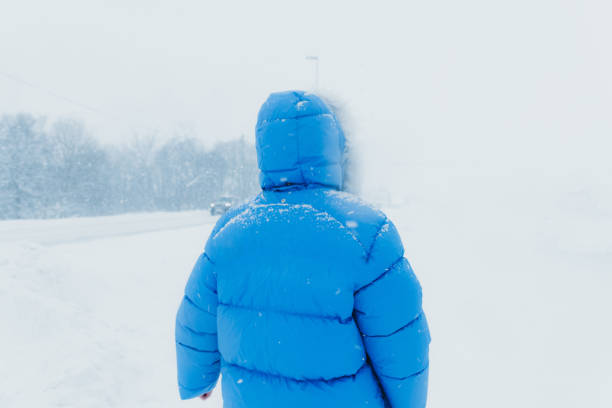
column 392, row 323
column 197, row 353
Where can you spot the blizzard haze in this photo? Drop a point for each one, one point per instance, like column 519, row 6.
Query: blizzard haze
column 484, row 131
column 473, row 78
column 518, row 85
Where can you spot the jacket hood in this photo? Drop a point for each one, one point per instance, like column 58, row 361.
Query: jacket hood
column 299, row 142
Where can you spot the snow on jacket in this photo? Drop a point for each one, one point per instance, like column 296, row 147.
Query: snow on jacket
column 303, row 297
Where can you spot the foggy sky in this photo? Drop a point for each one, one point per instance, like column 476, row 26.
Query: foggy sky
column 524, row 83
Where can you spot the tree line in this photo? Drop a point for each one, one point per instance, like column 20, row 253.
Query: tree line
column 60, row 170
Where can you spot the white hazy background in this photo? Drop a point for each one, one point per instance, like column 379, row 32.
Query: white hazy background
column 485, row 130
column 521, row 88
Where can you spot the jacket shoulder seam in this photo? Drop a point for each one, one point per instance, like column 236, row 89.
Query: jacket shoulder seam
column 376, row 235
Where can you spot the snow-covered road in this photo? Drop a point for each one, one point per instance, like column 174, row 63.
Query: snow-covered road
column 519, row 310
column 61, row 231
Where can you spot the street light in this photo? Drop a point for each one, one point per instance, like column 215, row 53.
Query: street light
column 316, row 61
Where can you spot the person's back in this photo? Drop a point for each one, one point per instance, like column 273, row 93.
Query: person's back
column 303, row 297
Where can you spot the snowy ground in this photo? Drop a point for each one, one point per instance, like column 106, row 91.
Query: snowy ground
column 90, row 323
column 518, row 298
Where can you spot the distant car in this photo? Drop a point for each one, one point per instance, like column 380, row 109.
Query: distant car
column 221, row 205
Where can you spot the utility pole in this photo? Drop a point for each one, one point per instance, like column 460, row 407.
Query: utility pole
column 315, row 58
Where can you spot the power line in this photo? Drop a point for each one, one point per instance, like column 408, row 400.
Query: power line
column 131, row 125
column 71, row 101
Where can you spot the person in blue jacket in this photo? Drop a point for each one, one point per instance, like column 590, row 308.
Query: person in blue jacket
column 302, row 297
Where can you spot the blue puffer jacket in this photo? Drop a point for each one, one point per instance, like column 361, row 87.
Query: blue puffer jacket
column 303, row 297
